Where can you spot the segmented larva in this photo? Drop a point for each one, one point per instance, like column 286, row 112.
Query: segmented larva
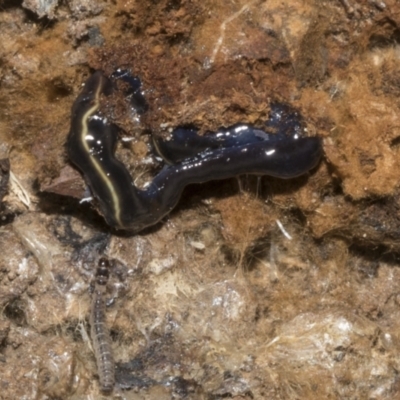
column 98, row 329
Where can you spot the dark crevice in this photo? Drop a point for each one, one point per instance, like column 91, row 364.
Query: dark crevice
column 388, row 35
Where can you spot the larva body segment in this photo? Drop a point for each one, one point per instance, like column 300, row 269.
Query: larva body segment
column 99, row 332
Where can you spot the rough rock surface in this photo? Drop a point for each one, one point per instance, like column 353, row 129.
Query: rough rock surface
column 217, row 301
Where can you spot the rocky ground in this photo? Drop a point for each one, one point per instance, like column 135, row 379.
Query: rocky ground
column 284, row 290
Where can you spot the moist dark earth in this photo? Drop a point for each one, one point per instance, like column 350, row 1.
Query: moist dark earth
column 249, row 289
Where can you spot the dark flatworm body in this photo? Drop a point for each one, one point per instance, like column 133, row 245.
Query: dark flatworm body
column 91, row 146
column 133, row 93
column 185, row 142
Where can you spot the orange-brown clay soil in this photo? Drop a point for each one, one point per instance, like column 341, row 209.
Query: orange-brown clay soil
column 217, row 301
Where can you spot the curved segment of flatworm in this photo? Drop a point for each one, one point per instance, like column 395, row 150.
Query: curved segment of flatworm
column 91, row 146
column 98, row 330
column 184, row 143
